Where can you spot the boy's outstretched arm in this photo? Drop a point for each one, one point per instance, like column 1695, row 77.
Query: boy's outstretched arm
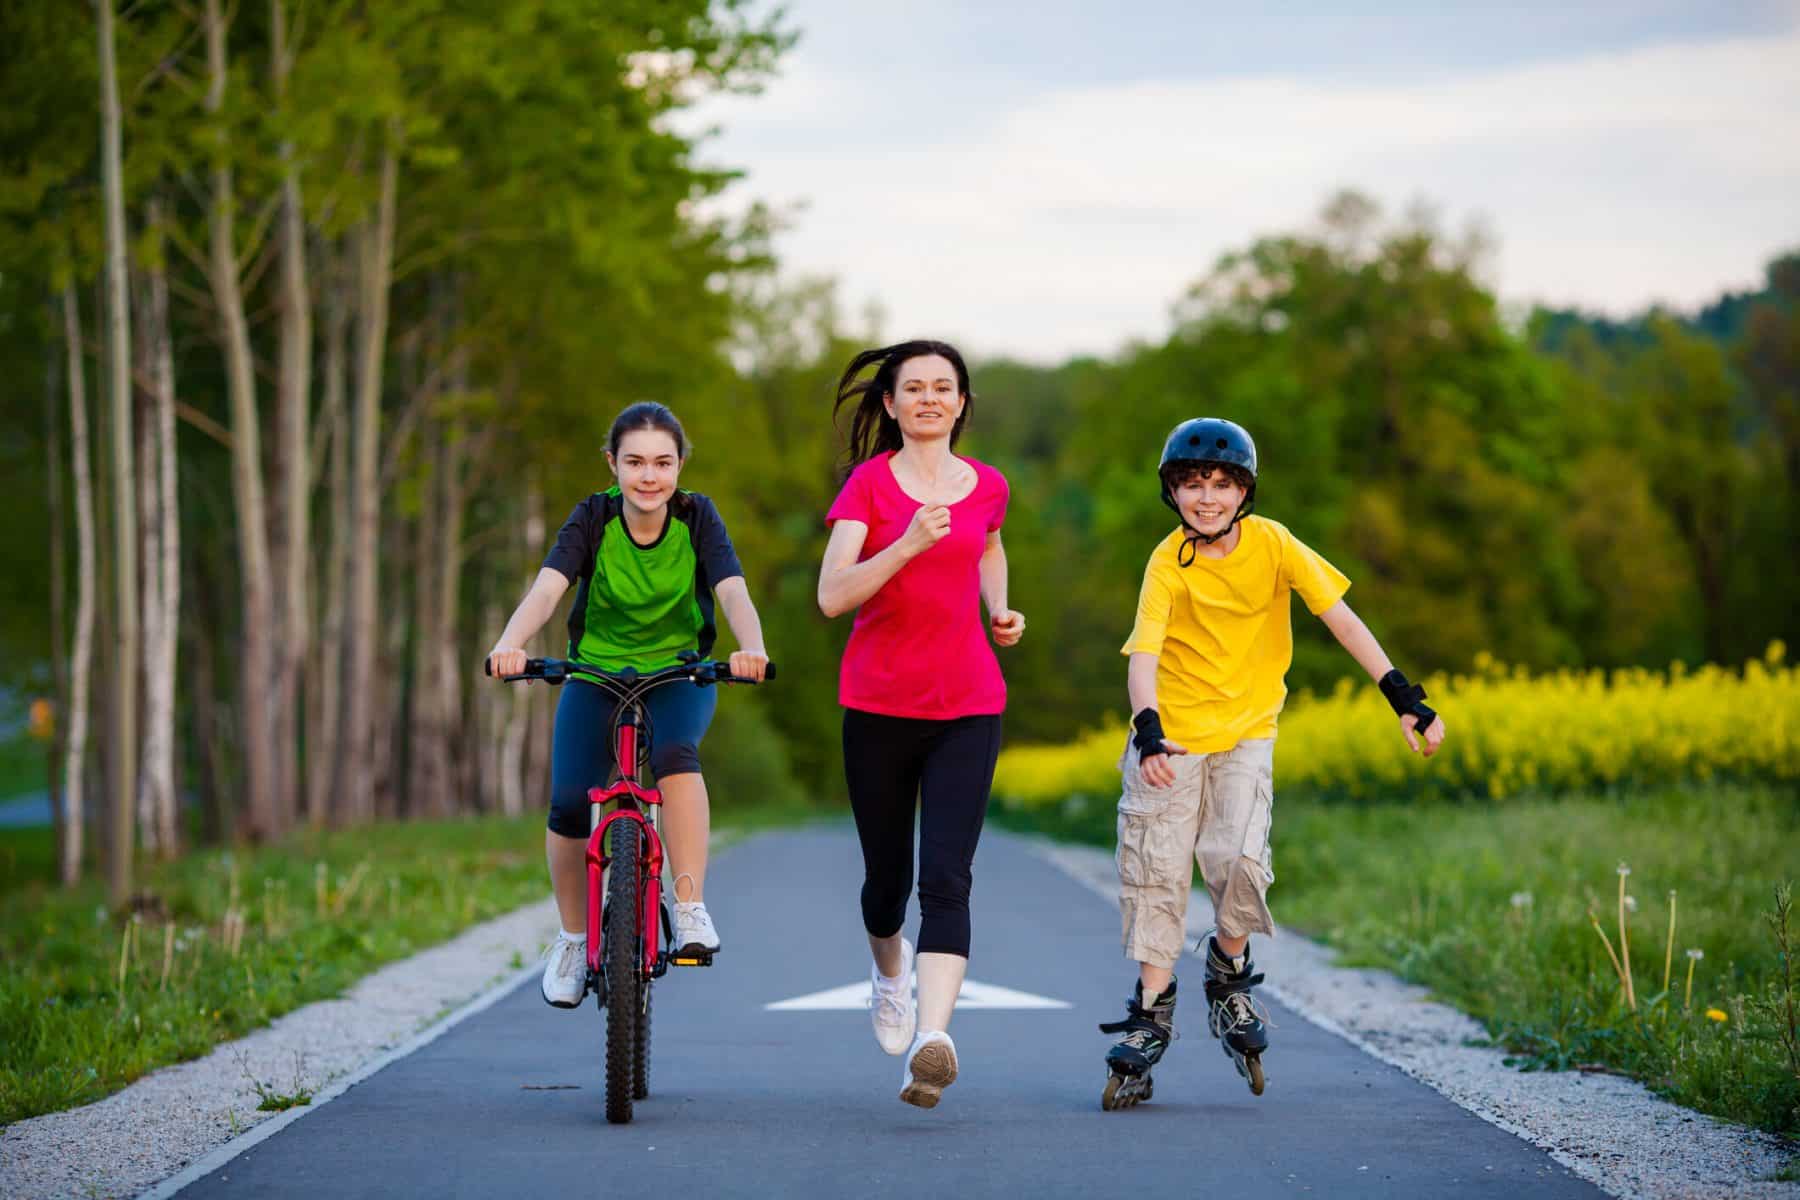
column 1355, row 637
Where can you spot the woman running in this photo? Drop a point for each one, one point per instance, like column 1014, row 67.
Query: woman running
column 915, row 549
column 647, row 559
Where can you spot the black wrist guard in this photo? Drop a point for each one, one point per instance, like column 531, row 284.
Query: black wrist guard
column 1407, row 698
column 1149, row 736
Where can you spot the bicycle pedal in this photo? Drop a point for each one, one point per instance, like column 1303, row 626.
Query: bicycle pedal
column 696, row 958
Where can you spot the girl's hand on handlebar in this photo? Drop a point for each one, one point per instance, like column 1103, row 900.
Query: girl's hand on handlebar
column 504, row 660
column 746, row 665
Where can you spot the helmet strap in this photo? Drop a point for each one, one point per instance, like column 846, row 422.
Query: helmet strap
column 1190, row 546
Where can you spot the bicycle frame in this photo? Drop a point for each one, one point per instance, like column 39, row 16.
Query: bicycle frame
column 636, row 803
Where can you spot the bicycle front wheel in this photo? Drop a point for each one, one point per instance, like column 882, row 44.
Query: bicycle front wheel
column 624, row 984
column 640, row 1089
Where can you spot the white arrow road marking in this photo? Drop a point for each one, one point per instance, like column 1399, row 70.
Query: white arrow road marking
column 973, row 995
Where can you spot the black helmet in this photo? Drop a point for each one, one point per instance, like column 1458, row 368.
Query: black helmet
column 1206, row 441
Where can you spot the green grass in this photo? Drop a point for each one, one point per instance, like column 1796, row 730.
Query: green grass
column 24, row 765
column 74, row 1027
column 1487, row 905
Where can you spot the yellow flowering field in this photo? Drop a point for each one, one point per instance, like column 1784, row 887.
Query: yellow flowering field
column 1511, row 733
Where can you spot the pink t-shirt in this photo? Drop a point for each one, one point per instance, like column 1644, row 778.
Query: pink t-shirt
column 919, row 647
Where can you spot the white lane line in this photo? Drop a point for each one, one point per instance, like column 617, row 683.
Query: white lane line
column 973, row 995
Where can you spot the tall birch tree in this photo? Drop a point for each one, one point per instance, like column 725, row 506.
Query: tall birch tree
column 124, row 692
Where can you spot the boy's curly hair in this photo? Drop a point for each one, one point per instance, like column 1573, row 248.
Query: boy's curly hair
column 1180, row 473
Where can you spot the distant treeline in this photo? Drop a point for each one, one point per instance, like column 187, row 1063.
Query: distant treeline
column 1572, row 492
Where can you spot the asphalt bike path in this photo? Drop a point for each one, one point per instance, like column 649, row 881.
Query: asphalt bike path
column 746, row 1100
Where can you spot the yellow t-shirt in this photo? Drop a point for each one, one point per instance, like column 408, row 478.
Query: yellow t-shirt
column 1221, row 629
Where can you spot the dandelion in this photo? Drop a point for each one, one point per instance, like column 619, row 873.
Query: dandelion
column 1669, row 950
column 1521, row 900
column 125, row 955
column 1631, row 904
column 1607, row 942
column 1687, row 997
column 1715, row 1014
column 1625, row 941
column 168, row 956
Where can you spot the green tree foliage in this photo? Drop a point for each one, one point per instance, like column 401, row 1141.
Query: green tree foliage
column 1569, row 491
column 1576, row 493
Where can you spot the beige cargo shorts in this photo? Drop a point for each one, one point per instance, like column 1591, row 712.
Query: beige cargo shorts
column 1216, row 813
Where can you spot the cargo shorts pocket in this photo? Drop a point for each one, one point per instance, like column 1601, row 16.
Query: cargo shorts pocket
column 1136, row 855
column 1256, row 840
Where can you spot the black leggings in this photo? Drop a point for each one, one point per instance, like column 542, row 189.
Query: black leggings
column 946, row 768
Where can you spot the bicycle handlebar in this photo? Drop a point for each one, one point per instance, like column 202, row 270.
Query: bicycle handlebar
column 556, row 671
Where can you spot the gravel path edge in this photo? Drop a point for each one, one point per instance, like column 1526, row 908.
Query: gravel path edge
column 204, row 1111
column 1612, row 1131
column 249, row 1138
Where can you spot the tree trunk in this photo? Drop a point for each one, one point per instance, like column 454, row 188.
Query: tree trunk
column 59, row 583
column 150, row 582
column 255, row 651
column 293, row 621
column 162, row 571
column 453, row 469
column 447, row 707
column 170, row 480
column 541, row 712
column 516, row 764
column 424, row 744
column 75, row 747
column 322, row 740
column 125, row 576
column 355, row 790
column 388, row 697
column 218, row 814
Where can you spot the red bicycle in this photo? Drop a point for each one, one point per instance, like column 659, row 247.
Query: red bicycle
column 628, row 921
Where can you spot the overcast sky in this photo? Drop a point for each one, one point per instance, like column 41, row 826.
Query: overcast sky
column 1044, row 179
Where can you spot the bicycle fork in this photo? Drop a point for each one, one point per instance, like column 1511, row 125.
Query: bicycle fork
column 649, row 890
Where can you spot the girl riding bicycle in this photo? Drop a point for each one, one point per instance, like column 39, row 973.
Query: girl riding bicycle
column 915, row 549
column 647, row 559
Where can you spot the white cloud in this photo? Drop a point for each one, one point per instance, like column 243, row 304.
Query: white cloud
column 1068, row 220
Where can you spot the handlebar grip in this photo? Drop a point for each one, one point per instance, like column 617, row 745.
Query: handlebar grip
column 721, row 673
column 549, row 670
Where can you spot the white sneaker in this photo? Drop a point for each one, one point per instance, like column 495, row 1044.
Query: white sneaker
column 930, row 1068
column 565, row 975
column 694, row 929
column 891, row 1006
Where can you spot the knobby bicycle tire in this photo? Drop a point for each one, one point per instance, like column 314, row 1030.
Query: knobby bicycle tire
column 623, row 998
column 641, row 1075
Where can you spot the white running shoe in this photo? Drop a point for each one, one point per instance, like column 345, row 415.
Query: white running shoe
column 891, row 1006
column 565, row 975
column 930, row 1068
column 694, row 928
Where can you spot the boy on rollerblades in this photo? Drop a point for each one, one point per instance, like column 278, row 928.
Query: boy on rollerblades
column 1208, row 657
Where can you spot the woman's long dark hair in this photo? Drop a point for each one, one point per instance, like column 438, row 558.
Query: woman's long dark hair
column 872, row 431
